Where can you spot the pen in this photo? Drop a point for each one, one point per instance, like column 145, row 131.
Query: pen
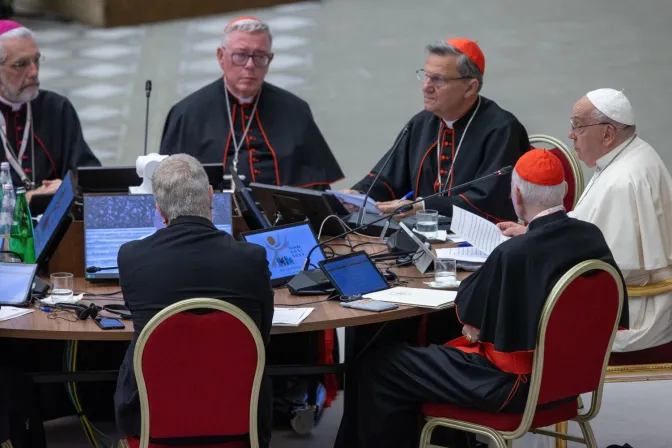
column 463, row 245
column 408, row 195
column 45, row 309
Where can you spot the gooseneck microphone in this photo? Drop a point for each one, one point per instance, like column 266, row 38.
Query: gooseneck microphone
column 362, row 209
column 94, row 269
column 407, row 208
column 148, row 92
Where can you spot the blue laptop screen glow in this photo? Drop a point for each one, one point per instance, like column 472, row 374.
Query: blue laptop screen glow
column 110, row 221
column 287, row 248
column 355, row 275
column 53, row 215
column 16, row 280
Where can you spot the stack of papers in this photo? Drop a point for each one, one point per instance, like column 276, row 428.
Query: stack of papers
column 420, row 297
column 290, row 317
column 483, row 235
column 10, row 312
column 357, row 200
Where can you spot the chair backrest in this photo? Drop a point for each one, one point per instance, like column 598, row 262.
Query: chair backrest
column 199, row 375
column 576, row 331
column 571, row 164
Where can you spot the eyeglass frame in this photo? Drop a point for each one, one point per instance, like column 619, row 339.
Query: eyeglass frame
column 444, row 80
column 249, row 55
column 573, row 127
column 17, row 67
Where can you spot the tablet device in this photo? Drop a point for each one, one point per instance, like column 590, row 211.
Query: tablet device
column 354, row 274
column 286, row 249
column 55, row 220
column 17, row 283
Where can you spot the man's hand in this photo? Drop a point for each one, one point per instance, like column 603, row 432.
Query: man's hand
column 471, row 333
column 351, row 208
column 47, row 187
column 391, row 206
column 509, row 228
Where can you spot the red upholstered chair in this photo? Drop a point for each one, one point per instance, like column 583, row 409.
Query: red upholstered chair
column 570, row 162
column 577, row 328
column 199, row 375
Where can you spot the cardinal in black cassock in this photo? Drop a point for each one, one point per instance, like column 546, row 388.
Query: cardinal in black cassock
column 500, row 306
column 277, row 138
column 41, row 133
column 459, row 137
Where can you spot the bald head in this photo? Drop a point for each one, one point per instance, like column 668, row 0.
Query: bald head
column 595, row 134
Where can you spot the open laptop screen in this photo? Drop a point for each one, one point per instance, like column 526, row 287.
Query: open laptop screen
column 112, row 220
column 286, row 249
column 17, row 281
column 53, row 220
column 354, row 274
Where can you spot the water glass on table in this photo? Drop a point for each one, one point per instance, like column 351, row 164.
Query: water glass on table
column 62, row 284
column 445, row 272
column 427, row 223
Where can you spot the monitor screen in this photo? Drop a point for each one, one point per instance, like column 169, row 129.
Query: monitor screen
column 354, row 274
column 53, row 217
column 16, row 280
column 112, row 220
column 286, row 249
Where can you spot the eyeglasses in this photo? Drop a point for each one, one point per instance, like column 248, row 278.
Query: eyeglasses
column 575, row 127
column 22, row 64
column 240, row 58
column 436, row 80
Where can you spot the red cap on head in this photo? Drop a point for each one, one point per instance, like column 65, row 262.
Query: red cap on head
column 540, row 167
column 471, row 50
column 8, row 25
column 240, row 19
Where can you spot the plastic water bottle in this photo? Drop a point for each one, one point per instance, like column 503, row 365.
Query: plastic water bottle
column 21, row 235
column 6, row 219
column 6, row 179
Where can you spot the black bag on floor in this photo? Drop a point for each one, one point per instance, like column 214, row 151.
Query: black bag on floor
column 20, row 420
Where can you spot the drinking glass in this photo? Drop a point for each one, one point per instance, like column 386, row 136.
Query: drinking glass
column 427, row 223
column 445, row 272
column 61, row 285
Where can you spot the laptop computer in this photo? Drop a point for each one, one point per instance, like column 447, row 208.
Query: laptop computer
column 286, row 247
column 253, row 217
column 17, row 283
column 112, row 220
column 55, row 220
column 354, row 274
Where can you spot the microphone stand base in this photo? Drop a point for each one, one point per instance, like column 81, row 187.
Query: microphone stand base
column 373, row 229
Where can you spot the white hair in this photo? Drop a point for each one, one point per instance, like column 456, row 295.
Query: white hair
column 625, row 131
column 13, row 34
column 247, row 26
column 181, row 187
column 541, row 196
column 465, row 66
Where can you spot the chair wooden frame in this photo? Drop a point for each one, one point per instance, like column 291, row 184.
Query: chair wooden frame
column 180, row 307
column 574, row 161
column 504, row 439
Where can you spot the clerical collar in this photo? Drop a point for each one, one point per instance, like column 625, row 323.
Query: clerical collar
column 609, row 157
column 15, row 107
column 548, row 211
column 449, row 123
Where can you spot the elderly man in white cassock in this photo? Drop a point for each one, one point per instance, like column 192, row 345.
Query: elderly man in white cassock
column 630, row 199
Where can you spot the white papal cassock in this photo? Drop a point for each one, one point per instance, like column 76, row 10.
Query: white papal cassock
column 630, row 199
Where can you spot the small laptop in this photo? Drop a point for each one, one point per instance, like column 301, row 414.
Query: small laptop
column 354, row 274
column 286, row 247
column 17, row 283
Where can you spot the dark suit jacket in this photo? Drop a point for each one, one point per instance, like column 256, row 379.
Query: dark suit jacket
column 190, row 258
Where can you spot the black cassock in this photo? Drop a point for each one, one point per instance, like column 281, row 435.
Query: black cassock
column 57, row 136
column 283, row 145
column 504, row 299
column 494, row 139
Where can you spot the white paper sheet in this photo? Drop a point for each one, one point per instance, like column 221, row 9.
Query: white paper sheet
column 10, row 312
column 420, row 297
column 290, row 317
column 470, row 254
column 479, row 232
column 357, row 200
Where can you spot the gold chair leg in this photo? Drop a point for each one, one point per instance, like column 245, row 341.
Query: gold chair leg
column 561, row 428
column 588, row 434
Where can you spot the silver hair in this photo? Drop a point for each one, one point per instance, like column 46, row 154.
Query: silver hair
column 465, row 66
column 247, row 26
column 13, row 34
column 541, row 196
column 181, row 187
column 625, row 131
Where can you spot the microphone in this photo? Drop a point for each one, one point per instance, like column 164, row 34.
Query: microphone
column 148, row 92
column 407, row 208
column 362, row 209
column 94, row 269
